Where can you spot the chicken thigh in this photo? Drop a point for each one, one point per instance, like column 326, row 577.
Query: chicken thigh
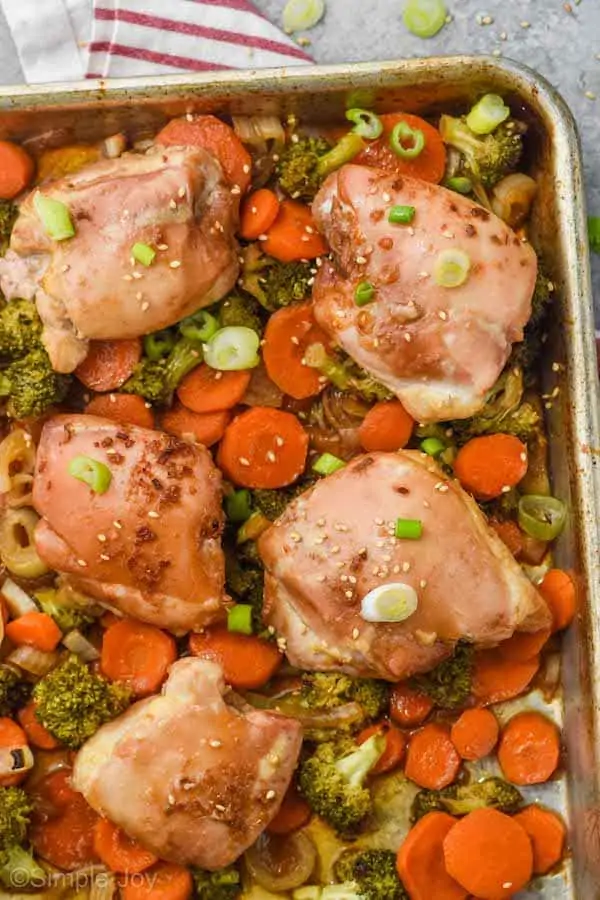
column 192, row 778
column 150, row 545
column 439, row 349
column 335, row 543
column 89, row 287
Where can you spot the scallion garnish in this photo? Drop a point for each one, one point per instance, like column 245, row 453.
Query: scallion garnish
column 408, row 529
column 143, row 253
column 55, row 217
column 432, row 446
column 159, row 344
column 542, row 518
column 233, row 348
column 366, row 123
column 401, row 215
column 487, row 114
column 364, row 293
column 199, row 327
column 238, row 505
column 407, row 142
column 424, row 18
column 327, row 464
column 91, row 472
column 451, row 268
column 460, row 184
column 239, row 618
column 300, row 15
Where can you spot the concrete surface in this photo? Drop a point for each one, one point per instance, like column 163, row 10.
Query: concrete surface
column 560, row 40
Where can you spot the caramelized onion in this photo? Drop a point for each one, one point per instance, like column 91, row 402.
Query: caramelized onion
column 265, row 138
column 513, row 197
column 281, row 863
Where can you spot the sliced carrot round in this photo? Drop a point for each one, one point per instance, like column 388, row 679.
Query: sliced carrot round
column 387, row 426
column 218, row 138
column 559, row 592
column 547, row 834
column 109, row 364
column 510, row 534
column 395, row 746
column 206, row 428
column 496, row 679
column 128, row 409
column 289, row 333
column 409, row 707
column 248, row 662
column 420, row 860
column 258, row 213
column 293, row 235
column 36, row 733
column 263, row 448
column 16, row 170
column 65, row 839
column 475, row 733
column 432, row 760
column 207, row 390
column 529, row 749
column 118, row 851
column 488, row 466
column 524, row 645
column 293, row 814
column 429, row 165
column 138, row 655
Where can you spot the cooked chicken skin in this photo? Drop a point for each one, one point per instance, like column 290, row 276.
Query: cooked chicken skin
column 189, row 776
column 438, row 349
column 335, row 543
column 86, row 287
column 150, row 546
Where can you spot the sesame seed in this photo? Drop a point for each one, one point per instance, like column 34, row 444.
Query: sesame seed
column 112, row 398
column 175, row 263
column 361, row 260
column 145, row 306
column 335, row 549
column 343, row 578
column 243, row 461
column 215, row 743
column 279, row 440
column 406, row 567
column 118, row 525
column 236, row 189
column 294, row 139
column 422, row 583
column 352, row 579
column 139, row 296
column 442, row 487
column 386, row 197
column 270, row 456
column 172, row 204
column 104, row 557
column 181, row 192
column 378, row 521
column 219, row 807
column 442, row 315
column 506, row 489
column 82, row 563
column 246, row 169
column 503, row 36
column 523, row 457
column 590, row 95
column 321, row 578
column 270, row 795
column 321, row 539
column 411, row 231
column 127, row 278
column 426, row 504
column 65, row 268
column 110, row 451
column 355, row 634
column 496, row 52
column 340, row 527
column 295, row 537
column 189, row 117
column 396, row 569
column 349, row 594
column 262, row 237
column 309, row 229
column 101, row 538
column 525, row 24
column 153, row 514
column 305, row 238
column 162, row 246
column 137, row 275
column 386, row 558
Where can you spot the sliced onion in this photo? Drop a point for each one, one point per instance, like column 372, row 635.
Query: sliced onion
column 17, row 547
column 513, row 197
column 256, row 130
column 262, row 391
column 21, row 492
column 115, row 145
column 17, row 454
column 281, row 863
column 78, row 644
column 35, row 662
column 19, row 603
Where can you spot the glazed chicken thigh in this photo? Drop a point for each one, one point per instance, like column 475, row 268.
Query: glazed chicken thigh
column 150, row 545
column 173, row 199
column 439, row 349
column 192, row 778
column 335, row 543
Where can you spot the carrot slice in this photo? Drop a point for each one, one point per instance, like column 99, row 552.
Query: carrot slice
column 558, row 590
column 258, row 213
column 207, row 390
column 475, row 733
column 137, row 654
column 248, row 662
column 207, row 428
column 489, row 854
column 289, row 332
column 263, row 448
column 66, row 837
column 510, row 534
column 529, row 749
column 488, row 465
column 293, row 814
column 431, row 760
column 496, row 678
column 34, row 629
column 420, row 860
column 109, row 364
column 118, row 851
column 395, row 746
column 429, row 165
column 547, row 834
column 16, row 170
column 36, row 733
column 218, row 139
column 293, row 235
column 165, row 881
column 11, row 737
column 387, row 426
column 524, row 645
column 409, row 707
column 128, row 409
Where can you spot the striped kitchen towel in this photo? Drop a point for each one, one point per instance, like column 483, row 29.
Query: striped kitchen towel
column 64, row 40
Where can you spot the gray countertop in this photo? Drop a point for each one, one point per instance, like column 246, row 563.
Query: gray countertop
column 560, row 40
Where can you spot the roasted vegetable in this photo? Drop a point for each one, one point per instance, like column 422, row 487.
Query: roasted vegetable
column 272, row 283
column 30, row 385
column 8, row 217
column 485, row 158
column 20, row 330
column 449, row 684
column 527, row 352
column 156, row 379
column 14, row 692
column 327, row 690
column 345, row 374
column 373, row 872
column 307, row 161
column 461, row 799
column 224, row 884
column 244, row 577
column 244, row 311
column 18, row 869
column 66, row 615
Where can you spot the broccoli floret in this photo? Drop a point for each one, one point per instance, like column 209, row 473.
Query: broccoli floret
column 15, row 817
column 449, row 684
column 72, row 702
column 327, row 690
column 67, row 616
column 8, row 217
column 20, row 330
column 244, row 311
column 504, row 411
column 487, row 158
column 461, row 799
column 222, row 885
column 272, row 283
column 244, row 577
column 373, row 872
column 14, row 692
column 526, row 353
column 333, row 780
column 298, row 169
column 156, row 380
column 345, row 374
column 31, row 385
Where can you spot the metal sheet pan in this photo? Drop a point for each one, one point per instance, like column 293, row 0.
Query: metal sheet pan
column 54, row 115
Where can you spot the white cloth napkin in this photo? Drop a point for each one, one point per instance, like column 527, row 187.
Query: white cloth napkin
column 65, row 40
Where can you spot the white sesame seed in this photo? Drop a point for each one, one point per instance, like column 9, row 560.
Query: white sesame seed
column 270, row 456
column 162, row 246
column 215, row 743
column 295, row 537
column 411, row 231
column 352, row 579
column 118, row 525
column 243, row 461
column 65, row 268
column 279, row 440
column 355, row 634
column 523, row 457
column 305, row 238
column 525, row 24
column 101, row 538
column 442, row 315
column 335, row 549
column 262, row 237
column 153, row 514
column 172, row 204
column 349, row 594
column 506, row 489
column 139, row 296
column 442, row 487
column 82, row 563
column 189, row 117
column 321, row 578
column 407, row 337
column 361, row 260
column 396, row 569
column 406, row 567
column 590, row 95
column 112, row 398
column 270, row 795
column 236, row 190
column 219, row 807
column 378, row 521
column 175, row 263
column 145, row 306
column 137, row 275
column 422, row 583
column 104, row 557
column 246, row 169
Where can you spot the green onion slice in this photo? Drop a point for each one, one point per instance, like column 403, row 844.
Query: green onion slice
column 159, row 344
column 408, row 529
column 92, row 472
column 401, row 215
column 487, row 114
column 424, row 18
column 327, row 464
column 460, row 184
column 232, row 349
column 366, row 123
column 389, row 603
column 239, row 618
column 343, row 152
column 143, row 253
column 542, row 517
column 407, row 142
column 238, row 506
column 55, row 217
column 199, row 327
column 364, row 293
column 300, row 15
column 451, row 268
column 432, row 446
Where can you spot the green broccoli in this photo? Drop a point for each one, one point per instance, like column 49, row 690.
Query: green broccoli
column 15, row 817
column 72, row 702
column 8, row 217
column 244, row 577
column 236, row 310
column 526, row 353
column 327, row 690
column 449, row 684
column 31, row 385
column 225, row 884
column 461, row 799
column 20, row 330
column 272, row 283
column 345, row 374
column 373, row 872
column 14, row 692
column 157, row 379
column 67, row 616
column 332, row 780
column 488, row 158
column 307, row 161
